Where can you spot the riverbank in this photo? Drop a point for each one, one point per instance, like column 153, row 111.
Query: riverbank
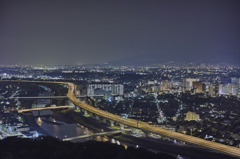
column 70, row 116
column 30, row 120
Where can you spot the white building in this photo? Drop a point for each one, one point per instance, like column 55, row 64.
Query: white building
column 188, row 83
column 192, row 116
column 101, row 89
column 228, row 89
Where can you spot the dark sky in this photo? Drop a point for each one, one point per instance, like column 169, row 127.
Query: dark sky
column 84, row 32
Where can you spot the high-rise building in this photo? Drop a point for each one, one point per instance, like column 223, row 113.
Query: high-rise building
column 192, row 116
column 235, row 80
column 223, row 89
column 228, row 89
column 198, row 87
column 166, row 85
column 188, row 83
column 235, row 85
column 234, row 89
column 102, row 88
column 213, row 89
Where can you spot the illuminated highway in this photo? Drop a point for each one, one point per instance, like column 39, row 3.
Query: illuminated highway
column 51, row 97
column 40, row 97
column 45, row 108
column 148, row 128
column 233, row 151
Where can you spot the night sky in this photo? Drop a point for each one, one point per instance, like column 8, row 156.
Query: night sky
column 119, row 31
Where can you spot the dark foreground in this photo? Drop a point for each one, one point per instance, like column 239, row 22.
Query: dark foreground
column 51, row 148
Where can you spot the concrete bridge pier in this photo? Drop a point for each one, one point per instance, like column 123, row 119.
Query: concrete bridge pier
column 77, row 108
column 104, row 120
column 36, row 102
column 51, row 101
column 160, row 136
column 75, row 90
column 111, row 122
column 121, row 126
column 182, row 142
column 147, row 134
column 81, row 110
column 91, row 114
column 85, row 112
column 97, row 117
column 134, row 131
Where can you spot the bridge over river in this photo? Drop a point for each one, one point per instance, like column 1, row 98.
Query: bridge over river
column 145, row 127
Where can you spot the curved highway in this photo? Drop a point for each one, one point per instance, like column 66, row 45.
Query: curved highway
column 233, row 151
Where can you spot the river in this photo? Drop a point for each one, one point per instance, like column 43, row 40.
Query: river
column 56, row 128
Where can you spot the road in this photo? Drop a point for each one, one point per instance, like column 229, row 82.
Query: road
column 233, row 151
column 92, row 135
column 51, row 97
column 45, row 108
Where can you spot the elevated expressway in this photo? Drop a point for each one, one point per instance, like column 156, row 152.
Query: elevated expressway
column 233, row 151
column 51, row 97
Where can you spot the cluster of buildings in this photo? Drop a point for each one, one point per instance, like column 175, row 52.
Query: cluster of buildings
column 192, row 116
column 191, row 85
column 104, row 88
column 213, row 89
column 200, row 100
column 11, row 123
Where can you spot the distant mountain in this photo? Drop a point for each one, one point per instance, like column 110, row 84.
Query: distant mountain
column 154, row 59
column 138, row 61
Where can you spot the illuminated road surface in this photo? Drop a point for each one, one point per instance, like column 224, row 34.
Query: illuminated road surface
column 45, row 108
column 147, row 128
column 51, row 97
column 233, row 151
column 92, row 135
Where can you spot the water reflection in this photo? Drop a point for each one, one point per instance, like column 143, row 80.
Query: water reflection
column 63, row 130
column 101, row 138
column 39, row 121
column 60, row 129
